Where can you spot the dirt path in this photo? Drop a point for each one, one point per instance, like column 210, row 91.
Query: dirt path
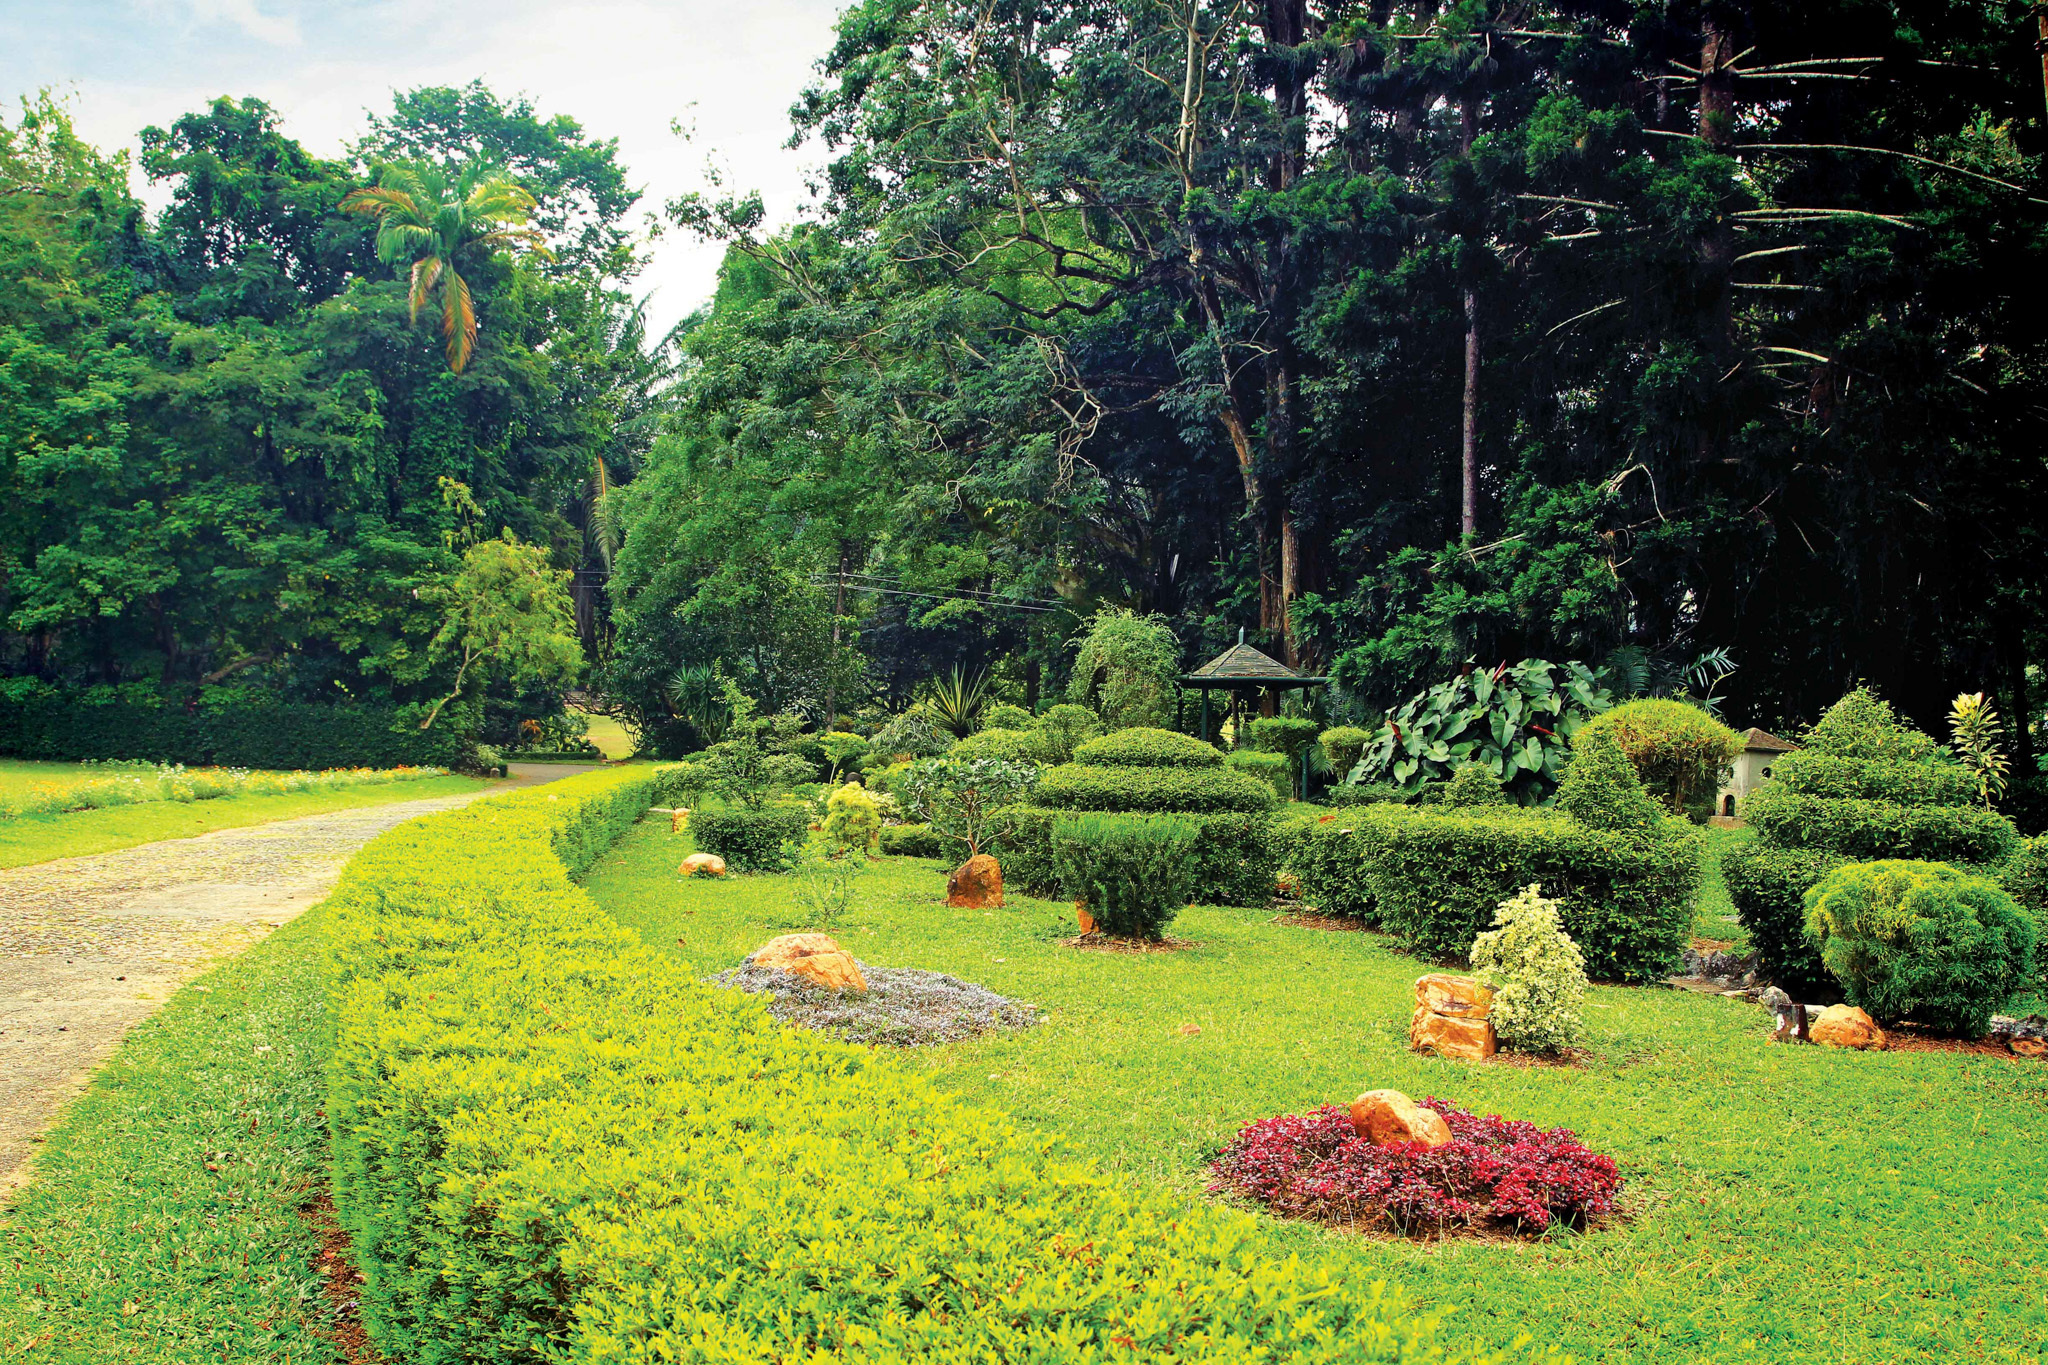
column 89, row 947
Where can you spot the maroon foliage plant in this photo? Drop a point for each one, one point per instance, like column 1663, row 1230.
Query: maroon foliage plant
column 1494, row 1173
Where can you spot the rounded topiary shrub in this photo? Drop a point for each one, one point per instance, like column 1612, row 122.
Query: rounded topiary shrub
column 1133, row 872
column 1004, row 716
column 1078, row 786
column 1147, row 748
column 1678, row 750
column 1015, row 746
column 1341, row 745
column 1921, row 940
column 1268, row 767
column 751, row 838
column 1475, row 784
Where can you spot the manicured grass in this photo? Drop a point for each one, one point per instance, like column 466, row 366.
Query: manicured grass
column 39, row 838
column 25, row 774
column 165, row 1221
column 1716, row 917
column 609, row 736
column 1788, row 1203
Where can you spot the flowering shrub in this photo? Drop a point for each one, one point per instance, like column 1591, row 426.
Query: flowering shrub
column 1494, row 1173
column 1539, row 974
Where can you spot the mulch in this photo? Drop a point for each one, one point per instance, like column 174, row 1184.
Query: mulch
column 341, row 1286
column 1332, row 924
column 1105, row 943
column 1906, row 1038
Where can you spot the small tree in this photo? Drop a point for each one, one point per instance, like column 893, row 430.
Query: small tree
column 852, row 821
column 507, row 619
column 749, row 765
column 1539, row 974
column 966, row 799
column 1127, row 667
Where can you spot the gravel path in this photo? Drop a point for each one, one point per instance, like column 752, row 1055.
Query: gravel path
column 89, row 947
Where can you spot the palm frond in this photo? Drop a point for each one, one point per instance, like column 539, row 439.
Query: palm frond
column 378, row 200
column 425, row 271
column 458, row 321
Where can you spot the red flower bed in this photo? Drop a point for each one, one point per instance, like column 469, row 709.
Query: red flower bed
column 1494, row 1173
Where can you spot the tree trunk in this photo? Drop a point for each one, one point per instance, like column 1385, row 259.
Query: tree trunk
column 1468, row 435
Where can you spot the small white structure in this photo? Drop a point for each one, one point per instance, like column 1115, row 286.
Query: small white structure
column 1760, row 749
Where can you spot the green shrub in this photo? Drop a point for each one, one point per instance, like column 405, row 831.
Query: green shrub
column 1538, row 973
column 750, row 838
column 1434, row 876
column 1601, row 789
column 1236, row 856
column 1327, row 859
column 1127, row 667
column 914, row 841
column 1768, row 883
column 1362, row 794
column 911, row 735
column 1004, row 716
column 843, row 751
column 1342, row 744
column 1013, row 746
column 1881, row 829
column 1147, row 748
column 2025, row 875
column 1063, row 729
column 1077, row 786
column 1475, row 784
column 1269, row 768
column 1134, row 872
column 1678, row 751
column 1921, row 940
column 551, row 1142
column 1517, row 719
column 1864, row 786
column 965, row 798
column 853, row 820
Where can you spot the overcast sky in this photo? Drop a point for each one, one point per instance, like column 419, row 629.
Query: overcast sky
column 627, row 69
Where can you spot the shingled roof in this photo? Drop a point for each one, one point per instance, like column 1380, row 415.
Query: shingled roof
column 1762, row 741
column 1241, row 665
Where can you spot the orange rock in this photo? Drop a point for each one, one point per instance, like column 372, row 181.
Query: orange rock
column 2028, row 1047
column 815, row 958
column 1461, row 997
column 1464, row 1040
column 678, row 820
column 976, row 884
column 1387, row 1117
column 709, row 864
column 1083, row 918
column 1845, row 1026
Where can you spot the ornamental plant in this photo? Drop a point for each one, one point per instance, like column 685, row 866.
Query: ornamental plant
column 1538, row 974
column 1921, row 940
column 853, row 820
column 1678, row 750
column 1494, row 1174
column 966, row 798
column 1127, row 668
column 1134, row 872
column 1517, row 719
column 1063, row 729
column 1475, row 784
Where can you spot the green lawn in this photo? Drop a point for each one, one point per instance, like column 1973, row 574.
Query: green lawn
column 1789, row 1203
column 1716, row 917
column 23, row 774
column 166, row 1221
column 609, row 736
column 39, row 838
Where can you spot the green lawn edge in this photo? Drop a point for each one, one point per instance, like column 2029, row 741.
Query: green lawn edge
column 40, row 838
column 163, row 1218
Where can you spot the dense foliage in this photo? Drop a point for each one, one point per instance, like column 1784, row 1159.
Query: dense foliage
column 1922, row 941
column 1517, row 720
column 1538, row 974
column 1864, row 785
column 503, row 1044
column 1133, row 873
column 1679, row 751
column 1495, row 1173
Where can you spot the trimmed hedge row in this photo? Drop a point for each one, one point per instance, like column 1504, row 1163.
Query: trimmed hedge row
column 1235, row 854
column 750, row 838
column 1434, row 876
column 1840, row 777
column 1141, row 747
column 40, row 721
column 1861, row 828
column 1080, row 786
column 553, row 1143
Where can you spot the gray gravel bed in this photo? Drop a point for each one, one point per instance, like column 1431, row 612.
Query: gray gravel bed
column 903, row 1007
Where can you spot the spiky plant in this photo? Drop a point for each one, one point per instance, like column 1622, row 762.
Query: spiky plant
column 1975, row 732
column 956, row 701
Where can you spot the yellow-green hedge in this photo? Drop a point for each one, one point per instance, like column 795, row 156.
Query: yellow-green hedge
column 552, row 1143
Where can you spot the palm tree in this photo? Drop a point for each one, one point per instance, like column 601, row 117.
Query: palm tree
column 424, row 218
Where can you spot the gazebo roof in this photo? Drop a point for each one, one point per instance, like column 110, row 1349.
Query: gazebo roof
column 1243, row 666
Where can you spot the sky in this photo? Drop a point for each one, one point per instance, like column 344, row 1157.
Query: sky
column 627, row 69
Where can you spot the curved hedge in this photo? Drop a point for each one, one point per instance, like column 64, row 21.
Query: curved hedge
column 1147, row 748
column 1079, row 786
column 1863, row 829
column 552, row 1142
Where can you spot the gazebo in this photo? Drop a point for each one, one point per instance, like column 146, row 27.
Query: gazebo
column 1241, row 670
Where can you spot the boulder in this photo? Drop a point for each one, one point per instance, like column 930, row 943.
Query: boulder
column 1083, row 918
column 1464, row 1040
column 1460, row 997
column 679, row 820
column 1387, row 1117
column 2028, row 1047
column 708, row 864
column 814, row 957
column 976, row 884
column 1845, row 1026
